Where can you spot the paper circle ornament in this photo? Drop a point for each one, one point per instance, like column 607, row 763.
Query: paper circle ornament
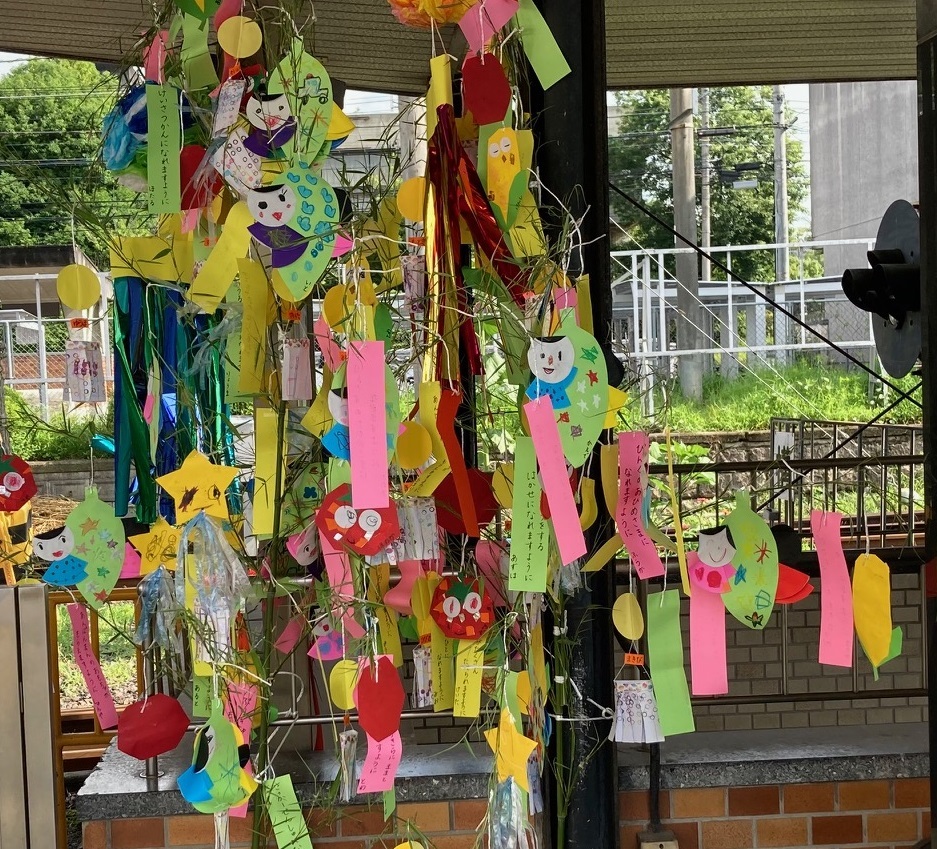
column 78, row 287
column 411, row 198
column 485, row 88
column 414, row 446
column 240, row 36
column 333, row 306
column 627, row 616
column 462, row 609
column 150, row 727
column 379, row 698
column 365, row 532
column 342, row 680
column 410, row 13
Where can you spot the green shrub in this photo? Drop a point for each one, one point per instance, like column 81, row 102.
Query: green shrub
column 62, row 438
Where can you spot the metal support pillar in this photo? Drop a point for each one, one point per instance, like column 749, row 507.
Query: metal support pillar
column 927, row 153
column 572, row 157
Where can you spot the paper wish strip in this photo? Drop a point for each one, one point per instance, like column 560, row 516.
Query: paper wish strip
column 632, row 472
column 665, row 647
column 90, row 668
column 708, row 644
column 527, row 570
column 836, row 623
column 367, row 425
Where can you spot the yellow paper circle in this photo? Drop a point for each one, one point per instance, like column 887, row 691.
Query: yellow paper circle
column 627, row 616
column 410, row 844
column 78, row 287
column 240, row 37
column 334, row 308
column 523, row 692
column 414, row 446
column 503, row 484
column 411, row 197
column 342, row 680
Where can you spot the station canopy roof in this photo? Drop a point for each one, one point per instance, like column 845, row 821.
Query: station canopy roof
column 651, row 43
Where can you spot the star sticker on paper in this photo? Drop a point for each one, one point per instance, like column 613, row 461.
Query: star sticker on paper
column 593, row 378
column 198, row 484
column 512, row 750
column 157, row 546
column 89, row 525
column 101, row 596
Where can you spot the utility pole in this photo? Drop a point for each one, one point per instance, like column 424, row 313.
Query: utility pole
column 782, row 268
column 689, row 366
column 705, row 238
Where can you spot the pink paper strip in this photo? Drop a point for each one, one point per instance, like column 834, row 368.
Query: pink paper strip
column 367, row 425
column 399, row 596
column 331, row 353
column 289, row 636
column 90, row 667
column 488, row 554
column 148, row 405
column 239, row 709
column 484, row 19
column 380, row 764
column 836, row 624
column 564, row 518
column 632, row 484
column 338, row 571
column 131, row 567
column 342, row 245
column 708, row 644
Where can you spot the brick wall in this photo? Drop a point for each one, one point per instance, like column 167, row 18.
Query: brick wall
column 872, row 814
column 880, row 814
column 448, row 825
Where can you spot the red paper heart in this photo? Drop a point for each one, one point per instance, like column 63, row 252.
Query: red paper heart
column 486, row 91
column 379, row 698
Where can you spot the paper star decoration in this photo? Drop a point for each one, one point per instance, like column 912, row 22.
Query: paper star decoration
column 157, row 546
column 198, row 484
column 512, row 750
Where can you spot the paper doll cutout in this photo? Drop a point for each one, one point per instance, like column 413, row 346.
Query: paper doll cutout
column 552, row 359
column 710, row 567
column 755, row 583
column 55, row 547
column 272, row 122
column 304, row 546
column 272, row 206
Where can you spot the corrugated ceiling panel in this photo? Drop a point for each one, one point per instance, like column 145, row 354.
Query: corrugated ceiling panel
column 650, row 42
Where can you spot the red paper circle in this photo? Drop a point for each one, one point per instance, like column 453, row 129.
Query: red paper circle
column 448, row 513
column 486, row 91
column 151, row 727
column 379, row 698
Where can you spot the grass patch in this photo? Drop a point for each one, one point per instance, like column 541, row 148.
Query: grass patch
column 806, row 389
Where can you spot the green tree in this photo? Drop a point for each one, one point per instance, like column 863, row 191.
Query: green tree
column 51, row 181
column 640, row 164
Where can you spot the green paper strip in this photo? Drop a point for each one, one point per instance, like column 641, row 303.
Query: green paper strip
column 390, row 803
column 164, row 141
column 542, row 51
column 286, row 815
column 665, row 650
column 527, row 570
column 197, row 66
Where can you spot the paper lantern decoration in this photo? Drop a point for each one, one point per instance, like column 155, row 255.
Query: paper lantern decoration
column 17, row 484
column 99, row 539
column 462, row 609
column 216, row 780
column 151, row 727
column 569, row 367
column 410, row 13
column 364, row 532
column 447, row 11
column 755, row 584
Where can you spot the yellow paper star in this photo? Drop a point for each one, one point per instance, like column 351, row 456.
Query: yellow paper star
column 157, row 546
column 198, row 484
column 512, row 750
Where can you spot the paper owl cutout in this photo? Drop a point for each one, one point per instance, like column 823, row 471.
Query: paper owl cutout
column 56, row 547
column 461, row 609
column 570, row 369
column 755, row 583
column 364, row 532
column 216, row 780
column 17, row 484
column 99, row 539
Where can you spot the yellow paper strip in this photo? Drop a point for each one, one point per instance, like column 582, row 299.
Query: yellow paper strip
column 218, row 272
column 254, row 296
column 603, row 555
column 265, row 498
column 152, row 258
column 468, row 678
column 440, row 90
column 386, row 616
column 677, row 521
column 443, row 684
column 871, row 605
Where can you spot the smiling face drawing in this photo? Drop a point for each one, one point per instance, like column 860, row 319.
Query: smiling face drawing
column 268, row 112
column 272, row 206
column 551, row 358
column 716, row 547
column 54, row 545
